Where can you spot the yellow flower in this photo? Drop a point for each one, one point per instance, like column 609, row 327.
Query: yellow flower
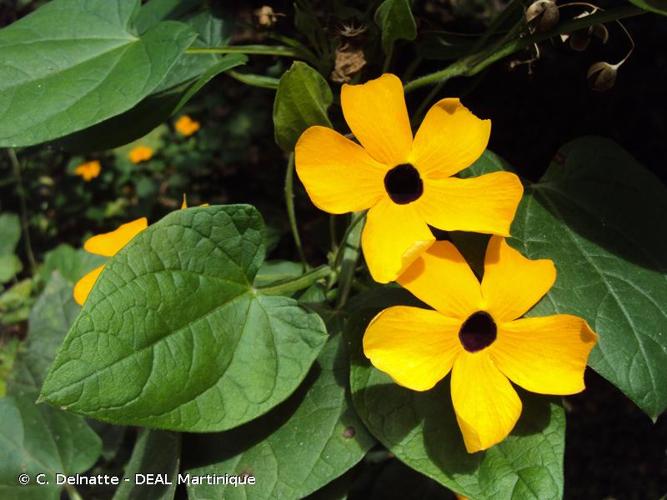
column 140, row 153
column 107, row 245
column 406, row 182
column 89, row 170
column 475, row 333
column 186, row 126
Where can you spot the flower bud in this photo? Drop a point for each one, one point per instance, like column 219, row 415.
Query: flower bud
column 602, row 76
column 542, row 15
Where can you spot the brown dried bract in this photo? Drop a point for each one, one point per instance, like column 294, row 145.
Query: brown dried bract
column 349, row 61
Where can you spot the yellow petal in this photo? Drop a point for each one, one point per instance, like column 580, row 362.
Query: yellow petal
column 393, row 237
column 486, row 405
column 416, row 347
column 545, row 355
column 484, row 204
column 85, row 285
column 338, row 174
column 442, row 278
column 512, row 284
column 109, row 244
column 376, row 113
column 449, row 139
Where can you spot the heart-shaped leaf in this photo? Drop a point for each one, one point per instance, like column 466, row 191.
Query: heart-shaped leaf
column 74, row 63
column 297, row 448
column 175, row 336
column 599, row 215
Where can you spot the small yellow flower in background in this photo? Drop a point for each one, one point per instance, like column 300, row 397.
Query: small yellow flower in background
column 405, row 181
column 107, row 245
column 475, row 333
column 89, row 170
column 140, row 153
column 186, row 126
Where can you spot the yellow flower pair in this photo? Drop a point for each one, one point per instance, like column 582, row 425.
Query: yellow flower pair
column 406, row 184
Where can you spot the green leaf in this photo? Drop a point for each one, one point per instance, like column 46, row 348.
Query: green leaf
column 658, row 6
column 154, row 11
column 49, row 321
column 297, row 448
column 420, row 428
column 395, row 19
column 302, row 100
column 38, row 439
column 10, row 233
column 157, row 453
column 74, row 63
column 274, row 271
column 10, row 266
column 72, row 264
column 599, row 215
column 174, row 335
column 147, row 115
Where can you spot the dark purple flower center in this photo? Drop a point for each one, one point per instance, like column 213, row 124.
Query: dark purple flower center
column 478, row 332
column 403, row 184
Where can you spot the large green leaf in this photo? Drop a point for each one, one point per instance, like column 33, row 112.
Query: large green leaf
column 74, row 63
column 175, row 336
column 600, row 216
column 302, row 100
column 38, row 439
column 297, row 448
column 147, row 115
column 420, row 428
column 157, row 453
column 49, row 321
column 396, row 22
column 659, row 6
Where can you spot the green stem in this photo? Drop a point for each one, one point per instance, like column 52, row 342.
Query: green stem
column 263, row 50
column 471, row 65
column 346, row 260
column 358, row 217
column 296, row 284
column 25, row 227
column 291, row 213
column 261, row 81
column 72, row 492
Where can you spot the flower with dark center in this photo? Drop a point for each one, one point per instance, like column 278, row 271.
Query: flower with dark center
column 405, row 181
column 473, row 331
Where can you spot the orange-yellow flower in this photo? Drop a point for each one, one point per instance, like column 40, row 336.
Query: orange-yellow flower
column 107, row 245
column 405, row 181
column 140, row 153
column 475, row 333
column 89, row 170
column 186, row 126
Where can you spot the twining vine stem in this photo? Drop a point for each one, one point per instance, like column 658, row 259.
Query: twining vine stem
column 473, row 64
column 262, row 50
column 291, row 213
column 25, row 227
column 296, row 284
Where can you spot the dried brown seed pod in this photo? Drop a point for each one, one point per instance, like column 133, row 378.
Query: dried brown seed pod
column 542, row 15
column 602, row 76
